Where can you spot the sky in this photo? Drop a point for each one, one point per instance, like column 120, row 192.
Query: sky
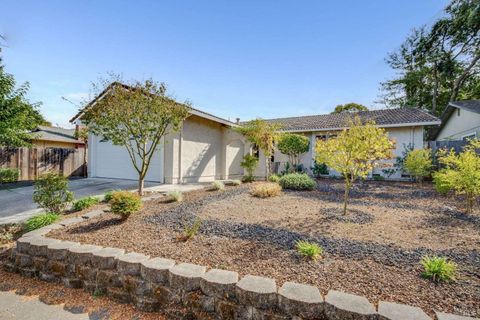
column 245, row 59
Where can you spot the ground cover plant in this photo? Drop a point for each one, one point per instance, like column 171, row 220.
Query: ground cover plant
column 217, row 185
column 41, row 220
column 375, row 252
column 438, row 268
column 51, row 192
column 309, row 249
column 176, row 195
column 85, row 203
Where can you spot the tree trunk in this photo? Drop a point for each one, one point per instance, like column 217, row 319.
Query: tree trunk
column 435, row 90
column 345, row 197
column 267, row 167
column 141, row 184
column 459, row 81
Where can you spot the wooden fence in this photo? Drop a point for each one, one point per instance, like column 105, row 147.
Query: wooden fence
column 34, row 161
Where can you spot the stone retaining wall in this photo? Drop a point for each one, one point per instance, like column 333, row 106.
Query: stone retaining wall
column 157, row 284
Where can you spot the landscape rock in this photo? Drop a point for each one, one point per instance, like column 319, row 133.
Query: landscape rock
column 395, row 311
column 448, row 316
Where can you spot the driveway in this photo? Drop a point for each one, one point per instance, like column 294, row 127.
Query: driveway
column 16, row 204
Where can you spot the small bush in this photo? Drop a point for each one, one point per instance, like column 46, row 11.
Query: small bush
column 247, row 179
column 266, row 190
column 378, row 177
column 191, row 231
column 309, row 249
column 85, row 203
column 297, row 181
column 176, row 195
column 125, row 203
column 236, row 182
column 51, row 192
column 108, row 195
column 438, row 268
column 8, row 175
column 217, row 185
column 319, row 169
column 40, row 221
column 249, row 163
column 418, row 163
column 274, row 178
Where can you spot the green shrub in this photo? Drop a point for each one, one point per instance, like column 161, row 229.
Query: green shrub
column 274, row 178
column 125, row 203
column 418, row 163
column 40, row 221
column 319, row 169
column 217, row 185
column 297, row 181
column 266, row 190
column 247, row 179
column 176, row 195
column 8, row 175
column 309, row 249
column 191, row 231
column 438, row 268
column 249, row 163
column 378, row 177
column 51, row 192
column 85, row 203
column 108, row 195
column 236, row 182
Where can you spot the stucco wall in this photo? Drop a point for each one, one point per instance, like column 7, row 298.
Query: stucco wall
column 459, row 125
column 203, row 151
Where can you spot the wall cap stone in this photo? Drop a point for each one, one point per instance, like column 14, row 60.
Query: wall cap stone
column 257, row 291
column 448, row 316
column 396, row 311
column 300, row 300
column 219, row 283
column 186, row 276
column 346, row 303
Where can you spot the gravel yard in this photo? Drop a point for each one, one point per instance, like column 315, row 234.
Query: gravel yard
column 373, row 251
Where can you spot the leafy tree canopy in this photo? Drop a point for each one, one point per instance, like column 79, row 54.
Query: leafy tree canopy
column 18, row 116
column 349, row 107
column 438, row 64
column 293, row 145
column 136, row 116
column 355, row 151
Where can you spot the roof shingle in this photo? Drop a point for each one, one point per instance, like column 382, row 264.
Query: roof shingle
column 384, row 117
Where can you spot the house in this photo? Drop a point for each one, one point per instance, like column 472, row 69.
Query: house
column 460, row 121
column 208, row 147
column 406, row 126
column 55, row 137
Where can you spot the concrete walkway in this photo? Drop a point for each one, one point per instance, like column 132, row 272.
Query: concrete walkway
column 15, row 307
column 16, row 204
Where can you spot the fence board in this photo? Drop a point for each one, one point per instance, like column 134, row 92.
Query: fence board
column 34, row 161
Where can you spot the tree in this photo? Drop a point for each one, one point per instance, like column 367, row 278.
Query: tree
column 349, row 107
column 17, row 115
column 438, row 64
column 293, row 145
column 418, row 163
column 460, row 173
column 135, row 116
column 263, row 134
column 355, row 152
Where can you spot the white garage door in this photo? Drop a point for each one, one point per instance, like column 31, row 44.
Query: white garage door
column 110, row 161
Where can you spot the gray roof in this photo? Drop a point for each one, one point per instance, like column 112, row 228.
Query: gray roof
column 55, row 134
column 384, row 118
column 469, row 105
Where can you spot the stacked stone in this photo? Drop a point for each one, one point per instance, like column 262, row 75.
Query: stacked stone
column 154, row 284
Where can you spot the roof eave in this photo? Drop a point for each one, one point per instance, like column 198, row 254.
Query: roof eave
column 396, row 125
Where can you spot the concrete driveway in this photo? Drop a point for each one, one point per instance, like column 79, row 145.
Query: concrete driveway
column 16, row 204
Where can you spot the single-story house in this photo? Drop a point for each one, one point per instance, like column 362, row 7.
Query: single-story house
column 55, row 137
column 208, row 147
column 460, row 121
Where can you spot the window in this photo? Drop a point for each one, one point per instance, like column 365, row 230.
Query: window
column 255, row 151
column 469, row 136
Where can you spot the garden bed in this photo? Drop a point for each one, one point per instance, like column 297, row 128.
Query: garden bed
column 374, row 251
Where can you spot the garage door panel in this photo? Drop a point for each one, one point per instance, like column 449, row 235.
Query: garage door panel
column 113, row 161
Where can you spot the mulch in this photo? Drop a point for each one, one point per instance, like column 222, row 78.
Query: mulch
column 373, row 251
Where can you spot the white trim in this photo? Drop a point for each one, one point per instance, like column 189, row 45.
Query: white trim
column 212, row 118
column 399, row 125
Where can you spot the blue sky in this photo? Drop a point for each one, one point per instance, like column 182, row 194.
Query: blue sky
column 242, row 59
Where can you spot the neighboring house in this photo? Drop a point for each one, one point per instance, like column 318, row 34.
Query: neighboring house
column 404, row 125
column 55, row 137
column 208, row 147
column 460, row 121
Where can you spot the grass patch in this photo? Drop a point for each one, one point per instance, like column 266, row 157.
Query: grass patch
column 176, row 195
column 40, row 221
column 309, row 249
column 218, row 185
column 438, row 268
column 85, row 203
